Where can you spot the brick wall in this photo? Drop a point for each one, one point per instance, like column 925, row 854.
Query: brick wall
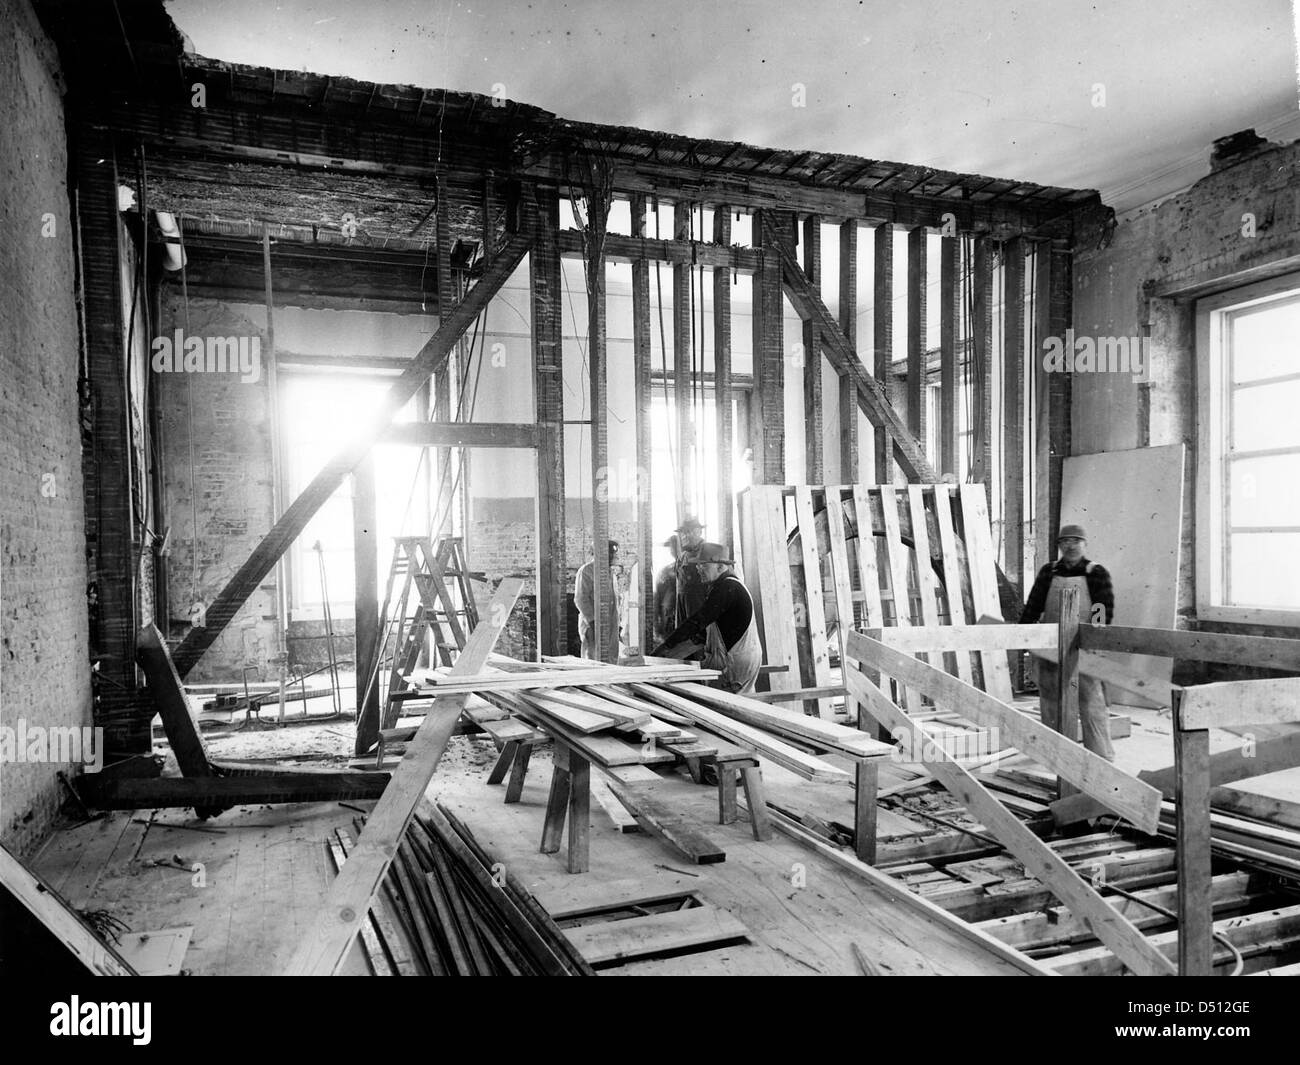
column 44, row 672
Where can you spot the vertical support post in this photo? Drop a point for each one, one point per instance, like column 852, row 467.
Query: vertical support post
column 981, row 363
column 489, row 229
column 683, row 381
column 848, row 397
column 443, row 375
column 949, row 318
column 866, row 784
column 1195, row 907
column 916, row 338
column 365, row 562
column 812, row 357
column 1013, row 440
column 1067, row 674
column 768, row 410
column 641, row 359
column 605, row 630
column 883, row 324
column 1052, row 395
column 722, row 381
column 548, row 392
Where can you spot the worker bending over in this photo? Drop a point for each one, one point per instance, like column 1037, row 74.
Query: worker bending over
column 1096, row 606
column 724, row 625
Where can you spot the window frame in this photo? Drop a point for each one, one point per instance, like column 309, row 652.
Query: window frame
column 1212, row 505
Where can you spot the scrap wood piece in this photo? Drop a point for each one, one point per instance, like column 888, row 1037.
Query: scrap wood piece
column 323, row 950
column 966, row 638
column 829, row 734
column 764, row 743
column 1111, row 927
column 208, row 794
column 637, row 789
column 60, row 919
column 584, row 700
column 618, row 814
column 370, row 935
column 384, row 918
column 658, row 933
column 1092, row 774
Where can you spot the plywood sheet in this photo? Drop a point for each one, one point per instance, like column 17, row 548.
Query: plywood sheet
column 1131, row 505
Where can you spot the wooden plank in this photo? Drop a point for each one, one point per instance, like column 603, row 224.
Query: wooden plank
column 375, row 956
column 324, row 949
column 1012, row 451
column 949, row 316
column 981, row 326
column 642, row 406
column 916, row 329
column 882, row 328
column 818, row 670
column 618, row 814
column 826, row 691
column 966, row 637
column 926, row 584
column 762, row 742
column 63, row 922
column 640, row 937
column 1124, row 794
column 841, row 572
column 250, row 575
column 773, row 559
column 984, row 586
column 1264, row 652
column 897, row 554
column 816, row 730
column 365, row 563
column 450, row 683
column 571, row 717
column 1067, row 673
column 848, row 318
column 1242, row 702
column 604, row 750
column 1040, row 860
column 205, row 793
column 814, row 427
column 678, row 830
column 593, row 704
column 1117, row 674
column 953, row 584
column 767, row 406
column 722, row 280
column 617, row 695
column 894, row 890
column 1195, row 908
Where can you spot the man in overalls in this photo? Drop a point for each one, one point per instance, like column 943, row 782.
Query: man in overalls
column 691, row 589
column 724, row 625
column 1096, row 606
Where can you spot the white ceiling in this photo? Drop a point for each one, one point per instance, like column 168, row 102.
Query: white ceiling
column 993, row 87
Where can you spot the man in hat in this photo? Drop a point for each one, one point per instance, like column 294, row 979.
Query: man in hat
column 1096, row 606
column 584, row 598
column 691, row 590
column 665, row 615
column 724, row 624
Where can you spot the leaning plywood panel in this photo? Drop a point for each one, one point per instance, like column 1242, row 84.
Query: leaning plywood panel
column 1130, row 503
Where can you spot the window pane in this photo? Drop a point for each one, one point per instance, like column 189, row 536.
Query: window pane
column 1265, row 341
column 1264, row 570
column 1265, row 491
column 1266, row 416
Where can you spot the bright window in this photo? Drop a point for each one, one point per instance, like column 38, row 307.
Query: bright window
column 1248, row 537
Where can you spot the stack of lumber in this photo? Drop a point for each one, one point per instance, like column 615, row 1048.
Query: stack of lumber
column 446, row 908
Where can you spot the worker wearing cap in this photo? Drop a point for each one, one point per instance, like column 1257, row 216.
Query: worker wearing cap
column 691, row 590
column 724, row 624
column 1096, row 606
column 584, row 598
column 665, row 615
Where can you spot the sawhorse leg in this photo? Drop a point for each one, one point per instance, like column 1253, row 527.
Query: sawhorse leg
column 518, row 771
column 866, row 784
column 570, row 799
column 504, row 760
column 752, row 777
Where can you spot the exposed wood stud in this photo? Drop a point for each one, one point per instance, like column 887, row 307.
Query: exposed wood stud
column 722, row 379
column 916, row 338
column 814, row 428
column 883, row 328
column 848, row 400
column 949, row 319
column 683, row 380
column 982, row 364
column 641, row 358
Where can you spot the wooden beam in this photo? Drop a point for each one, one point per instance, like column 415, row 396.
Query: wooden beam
column 872, row 394
column 949, row 319
column 605, row 631
column 348, row 901
column 103, row 792
column 982, row 364
column 641, row 370
column 683, row 379
column 679, row 252
column 642, row 801
column 171, row 703
column 444, row 373
column 61, row 920
column 1111, row 927
column 1013, row 433
column 1117, row 790
column 1195, row 907
column 441, row 684
column 547, row 295
column 725, row 534
column 1264, row 652
column 814, row 429
column 365, row 563
column 464, row 434
column 882, row 318
column 965, row 637
column 1052, row 394
column 1241, row 702
column 917, row 274
column 295, row 518
column 767, row 402
column 1067, row 672
column 848, row 317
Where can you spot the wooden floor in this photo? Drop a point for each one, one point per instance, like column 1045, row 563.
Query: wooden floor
column 264, row 873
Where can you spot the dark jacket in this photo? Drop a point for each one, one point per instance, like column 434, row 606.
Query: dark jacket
column 1100, row 589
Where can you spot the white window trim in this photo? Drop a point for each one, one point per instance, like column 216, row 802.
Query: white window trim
column 1211, row 390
